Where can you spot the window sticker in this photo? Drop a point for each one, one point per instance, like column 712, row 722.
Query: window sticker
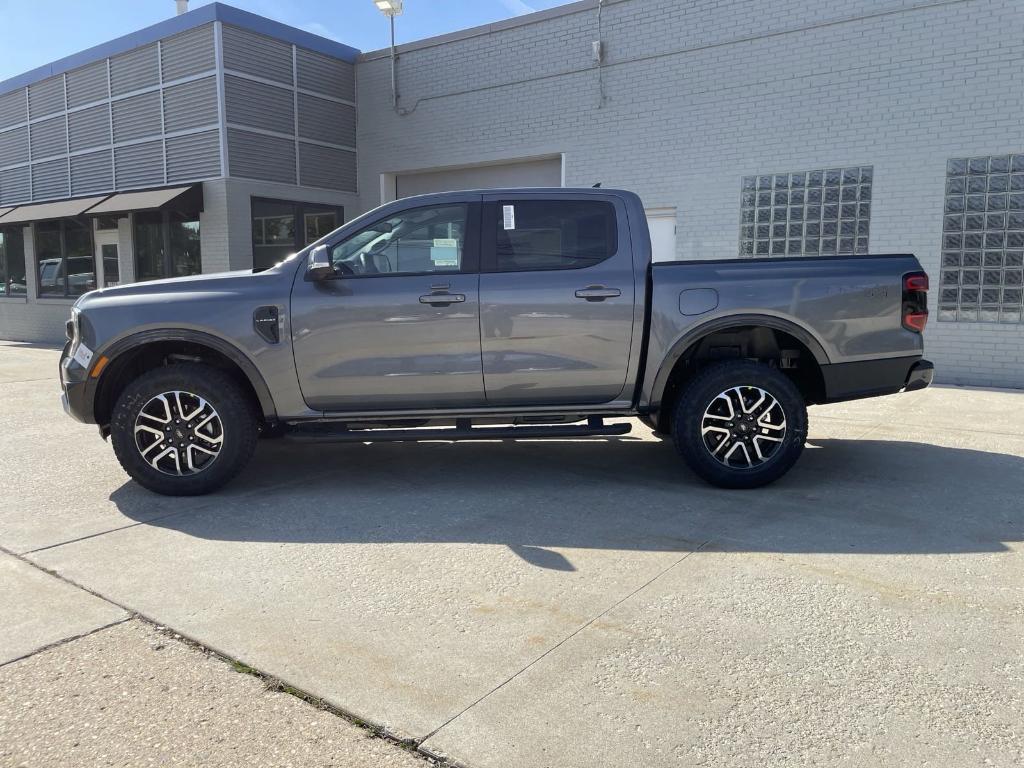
column 445, row 252
column 508, row 216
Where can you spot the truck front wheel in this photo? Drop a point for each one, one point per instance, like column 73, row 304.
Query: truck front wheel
column 183, row 430
column 740, row 424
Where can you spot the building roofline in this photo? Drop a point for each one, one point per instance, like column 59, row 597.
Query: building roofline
column 175, row 24
column 579, row 6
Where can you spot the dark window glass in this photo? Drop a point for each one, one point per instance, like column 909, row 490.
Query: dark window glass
column 166, row 245
column 104, row 223
column 282, row 227
column 571, row 234
column 111, row 269
column 149, row 246
column 64, row 256
column 12, row 262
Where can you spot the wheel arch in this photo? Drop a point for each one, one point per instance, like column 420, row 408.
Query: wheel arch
column 134, row 354
column 680, row 363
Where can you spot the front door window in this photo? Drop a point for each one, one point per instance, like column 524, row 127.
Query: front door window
column 420, row 241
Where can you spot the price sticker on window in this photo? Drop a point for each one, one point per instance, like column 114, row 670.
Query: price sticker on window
column 508, row 214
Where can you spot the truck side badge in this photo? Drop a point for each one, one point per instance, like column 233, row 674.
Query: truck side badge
column 265, row 321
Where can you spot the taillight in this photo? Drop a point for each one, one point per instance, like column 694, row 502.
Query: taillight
column 915, row 301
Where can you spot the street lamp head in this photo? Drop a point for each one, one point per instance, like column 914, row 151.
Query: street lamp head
column 390, row 8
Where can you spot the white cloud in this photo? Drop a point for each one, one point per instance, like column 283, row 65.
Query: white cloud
column 518, row 7
column 318, row 29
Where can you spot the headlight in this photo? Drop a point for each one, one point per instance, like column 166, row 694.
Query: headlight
column 71, row 327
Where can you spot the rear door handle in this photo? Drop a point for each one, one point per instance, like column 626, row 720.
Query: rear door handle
column 597, row 293
column 443, row 299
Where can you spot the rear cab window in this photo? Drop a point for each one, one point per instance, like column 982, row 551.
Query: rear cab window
column 533, row 235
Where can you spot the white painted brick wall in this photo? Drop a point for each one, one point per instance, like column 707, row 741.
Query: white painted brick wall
column 701, row 93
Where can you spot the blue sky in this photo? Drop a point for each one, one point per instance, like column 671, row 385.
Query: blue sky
column 35, row 32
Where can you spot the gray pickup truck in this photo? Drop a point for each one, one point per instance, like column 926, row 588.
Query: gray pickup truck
column 495, row 314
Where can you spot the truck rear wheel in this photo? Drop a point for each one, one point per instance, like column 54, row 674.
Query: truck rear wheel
column 183, row 430
column 740, row 424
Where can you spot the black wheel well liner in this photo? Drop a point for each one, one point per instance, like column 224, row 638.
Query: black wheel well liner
column 145, row 350
column 743, row 337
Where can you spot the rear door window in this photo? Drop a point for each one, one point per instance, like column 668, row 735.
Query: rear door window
column 532, row 235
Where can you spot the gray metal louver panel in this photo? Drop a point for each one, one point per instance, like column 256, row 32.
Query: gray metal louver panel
column 14, row 185
column 46, row 97
column 92, row 173
column 49, row 138
column 14, row 146
column 13, row 108
column 89, row 128
column 87, row 84
column 134, row 70
column 255, row 156
column 325, row 74
column 139, row 165
column 326, row 120
column 188, row 53
column 190, row 105
column 50, row 180
column 137, row 117
column 192, row 157
column 255, row 54
column 258, row 105
column 327, row 167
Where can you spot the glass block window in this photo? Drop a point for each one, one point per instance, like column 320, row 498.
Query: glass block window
column 809, row 213
column 982, row 275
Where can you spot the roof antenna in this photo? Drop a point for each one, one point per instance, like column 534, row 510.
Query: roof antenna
column 596, row 186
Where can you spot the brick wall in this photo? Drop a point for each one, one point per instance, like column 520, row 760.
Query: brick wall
column 699, row 94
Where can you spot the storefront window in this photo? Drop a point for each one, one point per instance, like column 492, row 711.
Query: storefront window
column 12, row 262
column 65, row 258
column 166, row 245
column 282, row 227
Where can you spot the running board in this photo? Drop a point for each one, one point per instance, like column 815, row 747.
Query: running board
column 595, row 427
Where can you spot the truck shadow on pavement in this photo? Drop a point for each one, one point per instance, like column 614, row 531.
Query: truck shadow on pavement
column 844, row 496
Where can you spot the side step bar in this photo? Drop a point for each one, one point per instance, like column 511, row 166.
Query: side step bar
column 464, row 430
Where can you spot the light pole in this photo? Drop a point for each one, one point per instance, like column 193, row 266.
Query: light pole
column 392, row 8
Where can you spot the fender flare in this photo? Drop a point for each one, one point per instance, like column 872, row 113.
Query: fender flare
column 217, row 344
column 694, row 335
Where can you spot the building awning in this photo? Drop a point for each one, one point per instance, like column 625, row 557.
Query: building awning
column 187, row 199
column 57, row 209
column 5, row 211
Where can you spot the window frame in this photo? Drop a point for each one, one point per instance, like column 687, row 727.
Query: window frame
column 470, row 249
column 489, row 236
column 62, row 262
column 301, row 208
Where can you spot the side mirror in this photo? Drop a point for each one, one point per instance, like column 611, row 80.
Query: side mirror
column 319, row 266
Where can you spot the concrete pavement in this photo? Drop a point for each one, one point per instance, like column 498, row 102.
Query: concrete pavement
column 584, row 602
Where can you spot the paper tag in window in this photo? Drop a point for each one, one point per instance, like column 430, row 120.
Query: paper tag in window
column 445, row 252
column 83, row 355
column 508, row 213
column 446, row 242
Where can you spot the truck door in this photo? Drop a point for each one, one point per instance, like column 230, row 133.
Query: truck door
column 398, row 326
column 556, row 299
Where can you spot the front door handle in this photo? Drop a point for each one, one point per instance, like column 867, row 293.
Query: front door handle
column 443, row 299
column 597, row 293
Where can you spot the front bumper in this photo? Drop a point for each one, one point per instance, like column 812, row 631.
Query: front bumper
column 74, row 382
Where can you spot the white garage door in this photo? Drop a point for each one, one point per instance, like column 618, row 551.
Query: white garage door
column 531, row 173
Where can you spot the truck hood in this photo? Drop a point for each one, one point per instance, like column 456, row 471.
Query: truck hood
column 181, row 288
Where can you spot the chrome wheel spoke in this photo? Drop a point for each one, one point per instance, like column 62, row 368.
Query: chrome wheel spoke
column 743, row 427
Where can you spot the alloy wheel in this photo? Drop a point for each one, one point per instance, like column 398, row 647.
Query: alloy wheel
column 743, row 427
column 179, row 433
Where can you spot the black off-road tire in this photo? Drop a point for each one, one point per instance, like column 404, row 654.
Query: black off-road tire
column 698, row 395
column 222, row 392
